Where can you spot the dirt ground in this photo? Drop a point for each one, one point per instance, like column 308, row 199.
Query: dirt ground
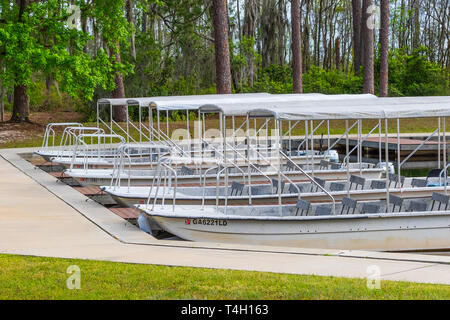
column 21, row 132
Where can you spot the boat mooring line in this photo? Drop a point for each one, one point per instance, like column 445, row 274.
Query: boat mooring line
column 19, row 161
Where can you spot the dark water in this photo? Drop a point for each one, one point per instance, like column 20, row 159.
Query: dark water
column 414, row 172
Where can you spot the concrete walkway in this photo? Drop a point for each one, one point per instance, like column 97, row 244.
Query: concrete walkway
column 42, row 217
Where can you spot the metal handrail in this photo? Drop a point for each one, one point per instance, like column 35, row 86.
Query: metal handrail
column 309, row 135
column 313, row 181
column 340, row 138
column 418, row 147
column 277, row 170
column 49, row 127
column 359, row 143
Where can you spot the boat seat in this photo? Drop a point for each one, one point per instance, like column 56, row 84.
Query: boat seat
column 434, row 173
column 395, row 179
column 185, row 171
column 237, row 188
column 418, row 183
column 323, row 164
column 348, row 203
column 323, row 211
column 302, row 206
column 417, row 206
column 275, row 185
column 396, row 201
column 290, row 166
column 370, row 208
column 293, row 189
column 320, row 182
column 336, row 166
column 337, row 186
column 378, row 184
column 358, row 181
column 442, row 199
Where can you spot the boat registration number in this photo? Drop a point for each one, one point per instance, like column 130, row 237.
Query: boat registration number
column 207, row 222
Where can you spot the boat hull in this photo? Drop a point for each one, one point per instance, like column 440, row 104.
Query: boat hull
column 389, row 233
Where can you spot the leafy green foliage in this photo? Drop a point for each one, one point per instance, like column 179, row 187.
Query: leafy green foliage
column 415, row 75
column 40, row 41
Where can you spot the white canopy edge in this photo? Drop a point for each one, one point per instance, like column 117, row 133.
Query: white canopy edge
column 381, row 108
column 191, row 102
column 241, row 108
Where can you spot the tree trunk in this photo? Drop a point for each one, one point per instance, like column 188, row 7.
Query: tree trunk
column 368, row 81
column 337, row 49
column 2, row 103
column 21, row 100
column 306, row 57
column 220, row 23
column 248, row 30
column 357, row 12
column 296, row 47
column 384, row 48
column 119, row 112
column 416, row 32
column 21, row 105
column 130, row 18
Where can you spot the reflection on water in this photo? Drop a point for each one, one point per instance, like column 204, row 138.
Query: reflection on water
column 414, row 172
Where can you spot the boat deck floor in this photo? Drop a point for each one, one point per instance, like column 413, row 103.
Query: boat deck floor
column 42, row 217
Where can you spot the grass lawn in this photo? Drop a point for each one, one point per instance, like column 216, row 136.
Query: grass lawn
column 23, row 277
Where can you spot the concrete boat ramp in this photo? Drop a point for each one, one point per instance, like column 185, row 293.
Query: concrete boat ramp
column 41, row 216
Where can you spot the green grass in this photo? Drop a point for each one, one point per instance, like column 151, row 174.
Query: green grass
column 23, row 277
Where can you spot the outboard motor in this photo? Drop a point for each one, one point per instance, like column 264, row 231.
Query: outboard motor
column 144, row 224
column 382, row 165
column 332, row 155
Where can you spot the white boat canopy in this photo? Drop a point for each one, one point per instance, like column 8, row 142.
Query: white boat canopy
column 192, row 102
column 113, row 101
column 241, row 108
column 381, row 108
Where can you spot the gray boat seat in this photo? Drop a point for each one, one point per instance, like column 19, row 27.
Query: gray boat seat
column 370, row 208
column 417, row 205
column 302, row 206
column 396, row 180
column 185, row 171
column 348, row 203
column 320, row 182
column 442, row 199
column 323, row 211
column 336, row 166
column 275, row 185
column 358, row 181
column 290, row 166
column 293, row 189
column 378, row 184
column 418, row 183
column 434, row 173
column 323, row 164
column 396, row 201
column 237, row 188
column 337, row 186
